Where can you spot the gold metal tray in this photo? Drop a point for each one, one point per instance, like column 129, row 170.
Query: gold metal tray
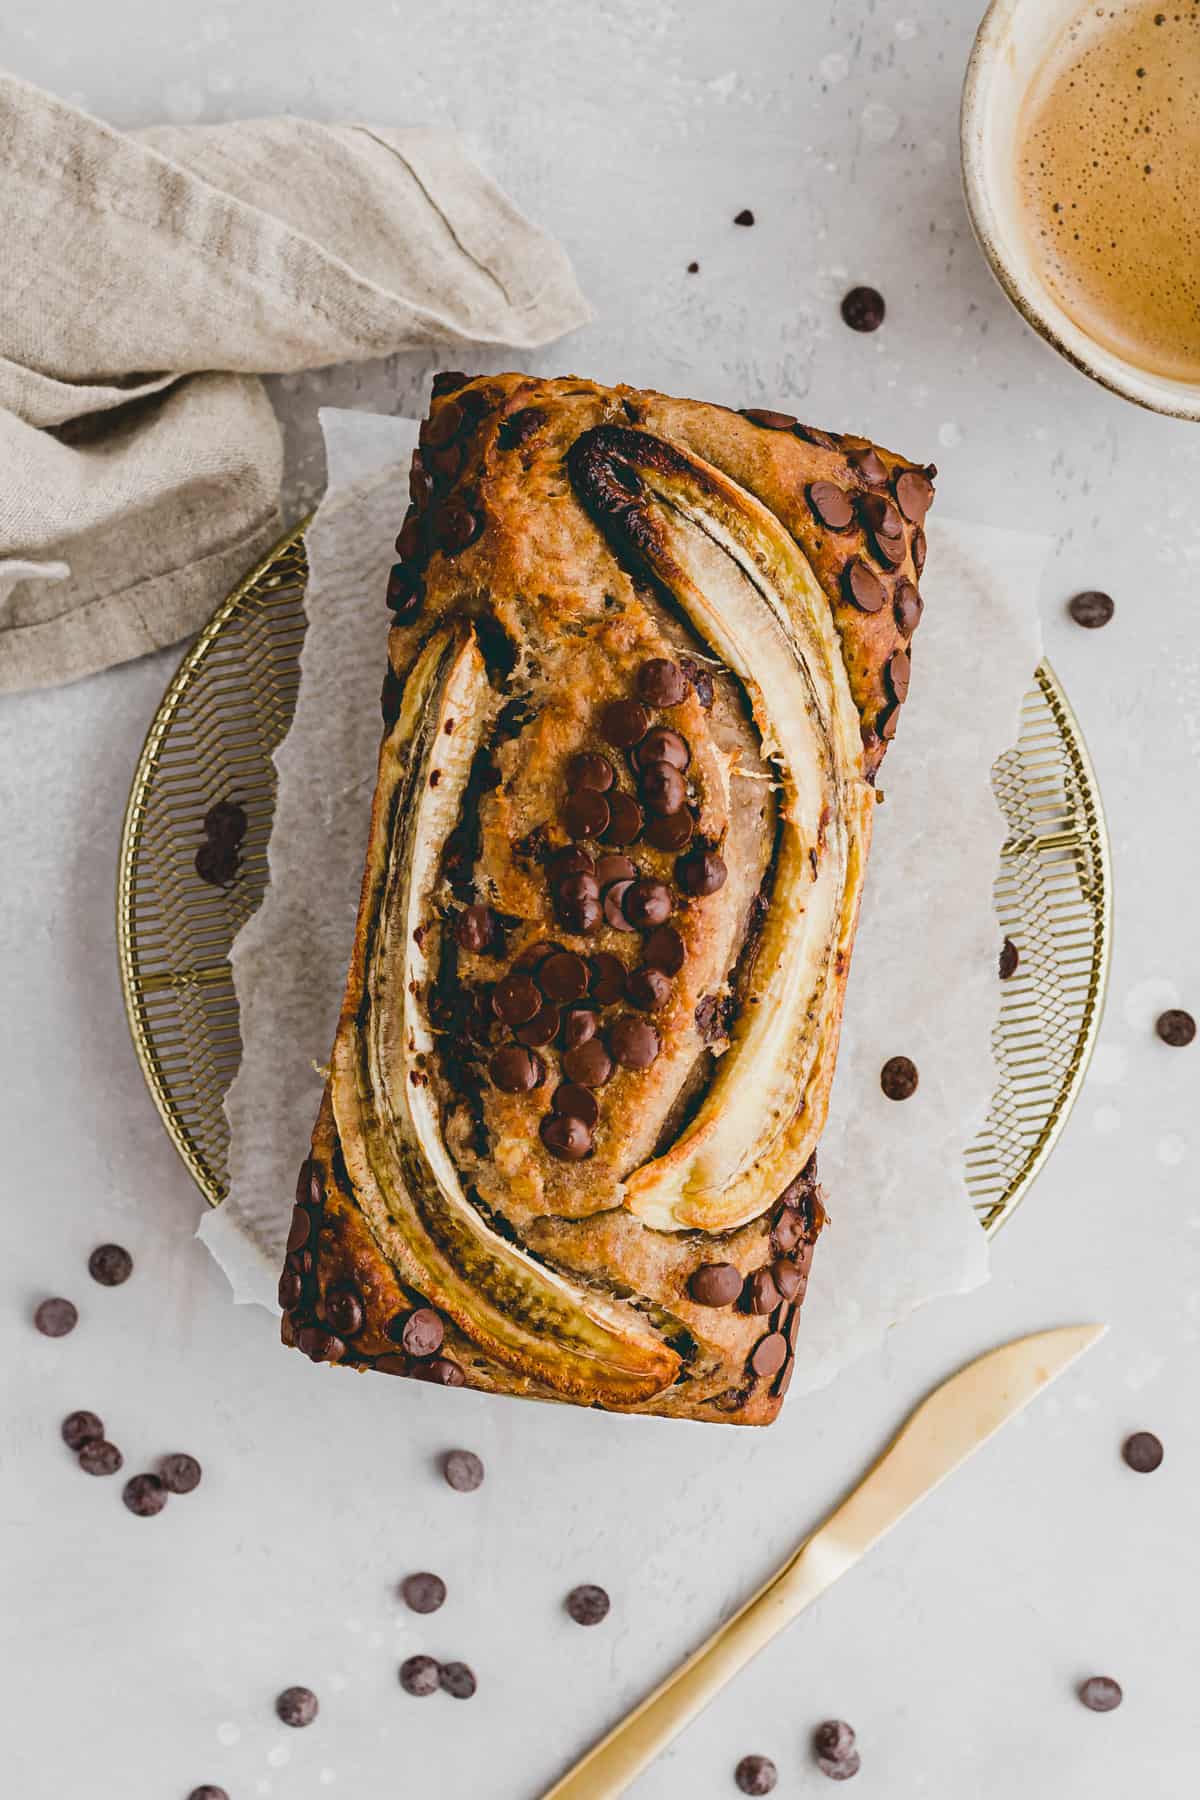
column 229, row 707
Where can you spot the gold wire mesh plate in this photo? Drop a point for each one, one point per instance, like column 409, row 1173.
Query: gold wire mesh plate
column 229, row 707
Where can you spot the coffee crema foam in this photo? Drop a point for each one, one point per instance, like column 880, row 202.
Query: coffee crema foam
column 1108, row 174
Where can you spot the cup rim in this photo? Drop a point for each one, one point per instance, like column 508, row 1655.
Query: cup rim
column 1049, row 321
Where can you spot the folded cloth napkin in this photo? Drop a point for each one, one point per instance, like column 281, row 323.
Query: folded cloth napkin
column 149, row 277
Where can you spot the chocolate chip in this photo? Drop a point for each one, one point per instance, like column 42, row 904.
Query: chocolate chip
column 715, row 1284
column 812, row 435
column 80, row 1428
column 179, row 1472
column 475, row 929
column 320, row 1346
column 581, row 884
column 625, row 723
column 661, row 744
column 693, row 268
column 579, row 1025
column 788, row 1230
column 344, row 1309
column 898, row 1078
column 887, row 721
column 1175, row 1027
column 455, row 526
column 410, row 538
column 869, row 464
column 863, row 587
column 761, row 1294
column 918, row 549
column 463, row 1470
column 55, row 1317
column 633, row 1042
column 663, row 788
column 769, row 1354
column 519, row 427
column 442, row 1371
column 664, row 950
column 515, row 998
column 1010, row 958
column 226, row 822
column 614, row 900
column 881, row 516
column 1100, row 1693
column 745, row 217
column 575, row 1102
column 672, row 833
column 300, row 1228
column 609, row 976
column 403, row 593
column 586, row 813
column 898, row 671
column 700, row 873
column 110, row 1265
column 99, row 1457
column 1143, row 1451
column 588, row 1064
column 208, row 1792
column 144, row 1495
column 571, row 861
column 590, row 770
column 542, row 1029
column 907, row 607
column 563, row 976
column 756, row 1775
column 914, row 493
column 661, row 682
column 787, row 1278
column 423, row 1592
column 588, row 1604
column 648, row 902
column 565, row 1136
column 516, row 1070
column 614, row 867
column 423, row 1332
column 420, row 1675
column 582, row 916
column 1092, row 608
column 701, row 681
column 770, row 421
column 834, row 1740
column 831, row 505
column 457, row 1680
column 443, row 423
column 624, row 820
column 650, row 989
column 863, row 309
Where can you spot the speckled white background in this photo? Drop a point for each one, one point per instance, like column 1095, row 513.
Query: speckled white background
column 142, row 1657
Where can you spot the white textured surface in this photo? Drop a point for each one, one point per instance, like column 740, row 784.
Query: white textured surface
column 144, row 1655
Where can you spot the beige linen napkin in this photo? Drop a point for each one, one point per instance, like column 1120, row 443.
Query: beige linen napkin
column 149, row 277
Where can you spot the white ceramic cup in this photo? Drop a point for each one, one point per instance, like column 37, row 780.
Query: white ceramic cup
column 1013, row 42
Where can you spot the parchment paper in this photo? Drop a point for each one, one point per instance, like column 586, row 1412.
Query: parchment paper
column 923, row 982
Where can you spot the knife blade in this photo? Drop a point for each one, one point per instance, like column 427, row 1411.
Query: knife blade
column 948, row 1426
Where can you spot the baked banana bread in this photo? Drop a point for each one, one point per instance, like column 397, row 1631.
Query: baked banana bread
column 646, row 658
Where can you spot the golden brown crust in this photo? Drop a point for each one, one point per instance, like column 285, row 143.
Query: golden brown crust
column 563, row 534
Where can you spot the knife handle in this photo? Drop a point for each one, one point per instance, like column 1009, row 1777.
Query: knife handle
column 609, row 1767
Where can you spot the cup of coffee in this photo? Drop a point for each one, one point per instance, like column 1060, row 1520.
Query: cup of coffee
column 1081, row 163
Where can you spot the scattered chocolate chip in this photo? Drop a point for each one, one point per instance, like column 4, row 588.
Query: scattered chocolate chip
column 419, row 1675
column 463, row 1470
column 582, row 916
column 869, row 464
column 457, row 1680
column 572, row 861
column 542, row 1029
column 756, row 1775
column 898, row 1078
column 701, row 680
column 442, row 1371
column 208, row 1792
column 300, row 1228
column 586, row 813
column 745, row 217
column 633, row 1042
column 516, row 1070
column 575, row 1102
column 761, row 1294
column 907, row 607
column 648, row 902
column 296, row 1706
column 225, row 823
column 55, row 1317
column 1092, row 608
column 834, row 1740
column 649, row 989
column 403, row 592
column 831, row 504
column 588, row 1604
column 693, row 268
column 423, row 1592
column 579, row 1025
column 110, row 1265
column 812, row 435
column 788, row 1230
column 614, row 900
column 661, row 744
column 80, row 1428
column 787, row 1278
column 1100, row 1693
column 671, row 833
column 565, row 1136
column 320, row 1346
column 563, row 976
column 863, row 309
column 1175, row 1027
column 661, row 682
column 624, row 820
column 625, row 723
column 515, row 999
column 700, row 873
column 888, row 720
column 589, row 1064
column 881, row 517
column 1143, row 1452
column 769, row 1354
column 455, row 526
column 581, row 884
column 614, row 867
column 715, row 1284
column 664, row 950
column 590, row 770
column 144, row 1495
column 898, row 672
column 99, row 1457
column 609, row 976
column 770, row 421
column 914, row 493
column 863, row 587
column 475, row 929
column 663, row 788
column 918, row 549
column 179, row 1472
column 344, row 1310
column 1010, row 958
column 410, row 537
column 423, row 1333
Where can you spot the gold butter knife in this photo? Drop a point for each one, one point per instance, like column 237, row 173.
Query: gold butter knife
column 945, row 1429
